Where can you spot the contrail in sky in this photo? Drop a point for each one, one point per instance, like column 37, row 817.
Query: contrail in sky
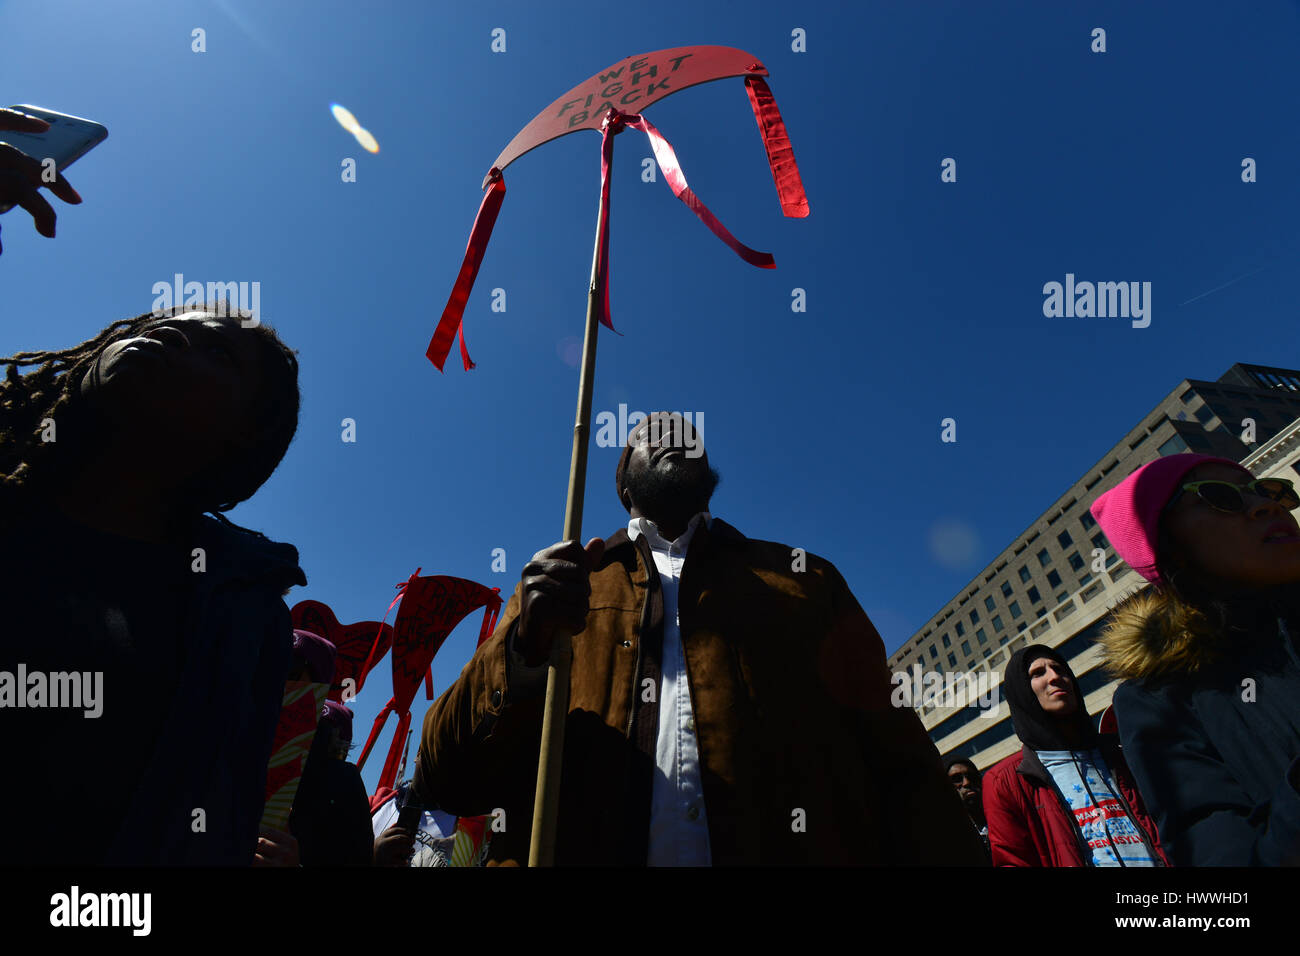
column 1224, row 286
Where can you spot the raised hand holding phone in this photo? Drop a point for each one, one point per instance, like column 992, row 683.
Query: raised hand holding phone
column 35, row 147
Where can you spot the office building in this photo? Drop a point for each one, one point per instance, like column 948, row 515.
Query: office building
column 1057, row 582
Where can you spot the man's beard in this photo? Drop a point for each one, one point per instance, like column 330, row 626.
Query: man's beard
column 672, row 492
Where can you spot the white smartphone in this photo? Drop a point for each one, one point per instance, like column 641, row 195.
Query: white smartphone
column 67, row 140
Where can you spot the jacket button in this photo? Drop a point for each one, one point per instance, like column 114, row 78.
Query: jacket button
column 496, row 698
column 627, row 643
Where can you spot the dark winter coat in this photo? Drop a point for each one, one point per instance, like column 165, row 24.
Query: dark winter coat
column 194, row 649
column 1213, row 737
column 331, row 811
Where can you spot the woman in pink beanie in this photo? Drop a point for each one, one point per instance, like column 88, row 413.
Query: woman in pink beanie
column 1209, row 714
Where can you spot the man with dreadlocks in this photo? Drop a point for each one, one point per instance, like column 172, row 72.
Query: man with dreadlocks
column 111, row 455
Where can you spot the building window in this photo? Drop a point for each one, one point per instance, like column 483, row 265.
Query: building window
column 988, row 603
column 1099, row 541
column 974, row 617
column 1053, row 579
column 952, row 660
column 1019, row 627
column 965, row 648
column 1174, row 446
column 997, row 622
column 1044, row 558
column 1006, row 589
column 1204, row 414
column 1014, row 607
column 934, row 653
column 1033, row 596
column 961, row 628
column 1064, row 539
column 983, row 638
column 988, row 652
column 946, row 641
column 1076, row 562
column 1085, row 580
column 1087, row 520
column 1024, row 575
column 1062, row 597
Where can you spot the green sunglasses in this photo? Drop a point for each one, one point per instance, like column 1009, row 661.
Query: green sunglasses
column 1225, row 496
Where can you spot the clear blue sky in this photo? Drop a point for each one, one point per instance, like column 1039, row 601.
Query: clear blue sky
column 924, row 299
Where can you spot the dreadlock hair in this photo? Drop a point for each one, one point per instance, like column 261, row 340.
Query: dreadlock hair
column 31, row 401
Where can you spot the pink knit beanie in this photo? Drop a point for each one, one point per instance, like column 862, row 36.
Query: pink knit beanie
column 1129, row 513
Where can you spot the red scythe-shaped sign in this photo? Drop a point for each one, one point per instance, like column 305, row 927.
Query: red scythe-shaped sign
column 609, row 102
column 431, row 608
column 606, row 103
column 357, row 647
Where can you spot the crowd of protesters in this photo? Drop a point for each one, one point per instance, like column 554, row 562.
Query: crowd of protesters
column 726, row 705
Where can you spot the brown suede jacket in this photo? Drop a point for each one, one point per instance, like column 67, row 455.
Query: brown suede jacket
column 803, row 760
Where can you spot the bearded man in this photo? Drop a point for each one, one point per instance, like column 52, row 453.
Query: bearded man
column 728, row 701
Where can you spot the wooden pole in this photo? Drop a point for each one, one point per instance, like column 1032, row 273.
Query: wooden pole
column 541, row 851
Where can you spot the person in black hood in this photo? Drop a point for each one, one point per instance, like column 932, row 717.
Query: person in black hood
column 1067, row 799
column 965, row 778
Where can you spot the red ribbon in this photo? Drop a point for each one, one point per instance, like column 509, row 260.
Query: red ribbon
column 611, row 126
column 388, row 776
column 380, row 720
column 780, row 154
column 452, row 322
column 676, row 180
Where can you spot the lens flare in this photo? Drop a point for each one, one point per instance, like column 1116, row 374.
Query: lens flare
column 367, row 141
column 345, row 118
column 349, row 122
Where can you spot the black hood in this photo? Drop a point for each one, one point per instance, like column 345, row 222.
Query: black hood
column 1036, row 729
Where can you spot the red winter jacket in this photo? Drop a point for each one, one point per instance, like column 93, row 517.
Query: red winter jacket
column 1030, row 824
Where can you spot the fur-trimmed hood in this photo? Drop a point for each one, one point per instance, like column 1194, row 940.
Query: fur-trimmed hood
column 1152, row 636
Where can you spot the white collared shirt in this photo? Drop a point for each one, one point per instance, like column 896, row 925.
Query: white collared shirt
column 679, row 830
